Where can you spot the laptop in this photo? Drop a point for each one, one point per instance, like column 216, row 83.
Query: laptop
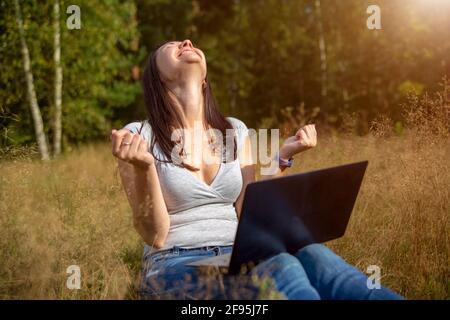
column 284, row 214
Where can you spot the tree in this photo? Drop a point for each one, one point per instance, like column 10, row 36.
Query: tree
column 35, row 111
column 95, row 61
column 323, row 52
column 58, row 80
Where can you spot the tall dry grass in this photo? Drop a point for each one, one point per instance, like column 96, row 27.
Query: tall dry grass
column 73, row 211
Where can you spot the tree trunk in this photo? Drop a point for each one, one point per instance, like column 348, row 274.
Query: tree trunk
column 57, row 128
column 323, row 53
column 35, row 111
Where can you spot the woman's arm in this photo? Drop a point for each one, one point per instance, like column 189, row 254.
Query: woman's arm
column 248, row 172
column 304, row 139
column 142, row 187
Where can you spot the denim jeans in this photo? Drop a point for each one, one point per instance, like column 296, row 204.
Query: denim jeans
column 313, row 273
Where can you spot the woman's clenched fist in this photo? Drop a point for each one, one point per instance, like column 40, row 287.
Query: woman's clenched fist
column 131, row 147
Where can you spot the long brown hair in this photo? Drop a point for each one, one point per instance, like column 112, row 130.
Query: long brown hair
column 164, row 116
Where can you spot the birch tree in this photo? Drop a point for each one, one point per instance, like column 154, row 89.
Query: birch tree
column 31, row 93
column 323, row 52
column 57, row 128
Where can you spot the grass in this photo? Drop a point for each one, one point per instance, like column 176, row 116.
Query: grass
column 69, row 211
column 73, row 211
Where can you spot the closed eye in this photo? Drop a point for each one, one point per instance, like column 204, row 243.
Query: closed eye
column 169, row 44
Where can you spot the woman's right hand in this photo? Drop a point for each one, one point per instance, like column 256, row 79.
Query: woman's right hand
column 131, row 147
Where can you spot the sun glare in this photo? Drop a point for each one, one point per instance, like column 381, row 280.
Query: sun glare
column 435, row 3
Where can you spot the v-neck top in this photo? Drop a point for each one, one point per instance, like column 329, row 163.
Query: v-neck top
column 200, row 214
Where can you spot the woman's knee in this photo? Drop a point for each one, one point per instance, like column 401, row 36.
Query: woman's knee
column 282, row 259
column 319, row 253
column 288, row 275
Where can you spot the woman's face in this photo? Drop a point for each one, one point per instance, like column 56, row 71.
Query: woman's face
column 176, row 57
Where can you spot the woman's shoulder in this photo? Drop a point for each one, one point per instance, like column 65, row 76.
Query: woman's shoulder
column 241, row 129
column 236, row 123
column 141, row 127
column 144, row 128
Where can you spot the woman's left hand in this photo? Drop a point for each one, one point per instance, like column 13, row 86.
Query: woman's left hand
column 304, row 139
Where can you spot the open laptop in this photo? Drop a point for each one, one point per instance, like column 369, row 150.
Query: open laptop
column 287, row 213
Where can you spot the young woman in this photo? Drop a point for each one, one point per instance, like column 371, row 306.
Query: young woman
column 186, row 208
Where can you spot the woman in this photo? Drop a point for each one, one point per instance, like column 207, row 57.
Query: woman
column 186, row 208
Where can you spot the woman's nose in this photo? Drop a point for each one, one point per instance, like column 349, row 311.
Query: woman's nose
column 187, row 43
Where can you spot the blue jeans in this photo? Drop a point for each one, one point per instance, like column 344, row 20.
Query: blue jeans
column 313, row 273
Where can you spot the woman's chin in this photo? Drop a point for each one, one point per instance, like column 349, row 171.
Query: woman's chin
column 191, row 60
column 190, row 57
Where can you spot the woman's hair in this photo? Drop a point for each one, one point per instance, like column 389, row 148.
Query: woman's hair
column 164, row 116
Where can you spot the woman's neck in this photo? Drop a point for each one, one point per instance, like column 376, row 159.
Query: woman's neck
column 188, row 96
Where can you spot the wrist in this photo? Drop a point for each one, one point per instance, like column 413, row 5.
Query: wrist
column 143, row 167
column 283, row 154
column 284, row 163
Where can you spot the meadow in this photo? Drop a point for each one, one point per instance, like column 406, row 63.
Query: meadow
column 73, row 211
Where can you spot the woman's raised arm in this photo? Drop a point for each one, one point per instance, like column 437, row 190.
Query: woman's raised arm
column 141, row 183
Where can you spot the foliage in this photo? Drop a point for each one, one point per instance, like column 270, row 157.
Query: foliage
column 97, row 61
column 263, row 58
